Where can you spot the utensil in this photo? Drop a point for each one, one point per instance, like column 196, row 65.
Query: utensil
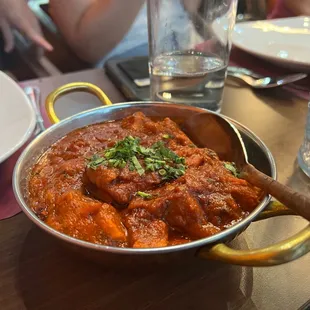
column 246, row 71
column 282, row 41
column 213, row 131
column 17, row 118
column 264, row 82
column 33, row 94
column 212, row 247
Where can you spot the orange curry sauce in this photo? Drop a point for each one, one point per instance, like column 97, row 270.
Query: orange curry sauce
column 101, row 205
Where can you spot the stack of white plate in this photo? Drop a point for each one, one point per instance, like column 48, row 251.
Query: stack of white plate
column 17, row 118
column 285, row 41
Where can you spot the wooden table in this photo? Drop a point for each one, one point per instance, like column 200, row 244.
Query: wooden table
column 37, row 273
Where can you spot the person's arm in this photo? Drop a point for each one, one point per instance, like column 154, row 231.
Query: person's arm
column 16, row 14
column 300, row 7
column 94, row 27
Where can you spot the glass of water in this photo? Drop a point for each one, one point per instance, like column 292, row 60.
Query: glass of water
column 189, row 45
column 304, row 151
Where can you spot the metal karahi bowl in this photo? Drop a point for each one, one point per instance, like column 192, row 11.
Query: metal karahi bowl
column 214, row 247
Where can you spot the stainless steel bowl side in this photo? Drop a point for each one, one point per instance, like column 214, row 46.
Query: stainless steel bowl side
column 118, row 111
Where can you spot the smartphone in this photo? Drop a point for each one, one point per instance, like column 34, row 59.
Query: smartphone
column 130, row 76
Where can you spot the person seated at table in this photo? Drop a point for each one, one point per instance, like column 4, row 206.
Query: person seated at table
column 288, row 8
column 102, row 28
column 99, row 29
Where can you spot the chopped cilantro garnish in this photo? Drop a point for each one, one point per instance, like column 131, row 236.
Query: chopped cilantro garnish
column 166, row 136
column 144, row 195
column 137, row 165
column 230, row 166
column 96, row 161
column 162, row 172
column 157, row 158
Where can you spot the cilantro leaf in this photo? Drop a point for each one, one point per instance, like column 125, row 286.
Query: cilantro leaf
column 157, row 158
column 231, row 166
column 144, row 195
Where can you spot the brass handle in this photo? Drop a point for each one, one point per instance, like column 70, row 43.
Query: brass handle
column 70, row 88
column 279, row 253
column 274, row 208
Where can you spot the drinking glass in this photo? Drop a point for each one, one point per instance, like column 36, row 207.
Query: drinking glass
column 189, row 47
column 304, row 151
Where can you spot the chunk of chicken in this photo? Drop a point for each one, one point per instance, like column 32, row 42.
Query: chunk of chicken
column 185, row 215
column 110, row 222
column 80, row 216
column 144, row 231
column 222, row 210
column 118, row 186
column 175, row 205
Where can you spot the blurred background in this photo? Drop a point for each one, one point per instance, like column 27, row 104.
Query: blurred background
column 22, row 64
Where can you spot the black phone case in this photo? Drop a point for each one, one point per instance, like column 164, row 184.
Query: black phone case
column 123, row 72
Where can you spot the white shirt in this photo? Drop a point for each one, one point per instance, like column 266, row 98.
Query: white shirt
column 135, row 41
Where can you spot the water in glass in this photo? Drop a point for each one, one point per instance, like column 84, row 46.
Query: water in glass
column 191, row 78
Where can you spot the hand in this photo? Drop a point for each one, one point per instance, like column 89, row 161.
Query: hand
column 301, row 7
column 17, row 14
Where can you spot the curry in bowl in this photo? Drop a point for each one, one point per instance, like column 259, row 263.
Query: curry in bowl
column 137, row 183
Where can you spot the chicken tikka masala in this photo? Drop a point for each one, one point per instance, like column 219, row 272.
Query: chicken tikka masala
column 137, row 183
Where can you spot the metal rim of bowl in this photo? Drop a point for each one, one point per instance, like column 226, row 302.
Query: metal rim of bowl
column 219, row 237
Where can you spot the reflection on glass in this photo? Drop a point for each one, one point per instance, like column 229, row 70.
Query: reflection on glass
column 304, row 151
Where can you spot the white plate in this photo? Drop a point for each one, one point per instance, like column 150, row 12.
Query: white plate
column 285, row 41
column 17, row 117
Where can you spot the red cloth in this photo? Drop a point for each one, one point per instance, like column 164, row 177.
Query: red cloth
column 8, row 203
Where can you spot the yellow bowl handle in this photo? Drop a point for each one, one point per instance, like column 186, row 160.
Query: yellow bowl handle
column 279, row 253
column 70, row 88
